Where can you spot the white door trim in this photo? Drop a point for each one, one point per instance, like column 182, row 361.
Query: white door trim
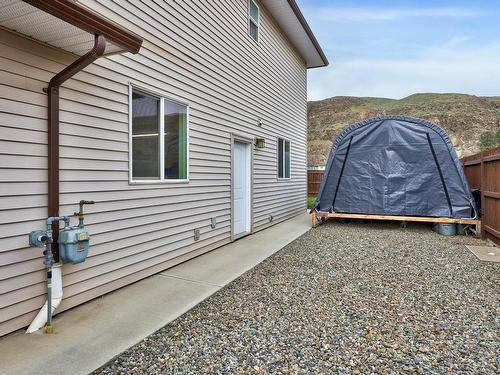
column 250, row 142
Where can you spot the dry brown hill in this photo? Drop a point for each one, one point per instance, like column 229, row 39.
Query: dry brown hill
column 467, row 119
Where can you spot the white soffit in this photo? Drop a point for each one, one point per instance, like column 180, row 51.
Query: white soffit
column 22, row 18
column 303, row 40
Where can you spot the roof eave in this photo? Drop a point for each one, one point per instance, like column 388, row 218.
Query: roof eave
column 82, row 17
column 310, row 34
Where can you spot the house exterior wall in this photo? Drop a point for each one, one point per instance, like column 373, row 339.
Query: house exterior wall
column 194, row 52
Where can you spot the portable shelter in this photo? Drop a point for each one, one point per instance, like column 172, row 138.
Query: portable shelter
column 396, row 166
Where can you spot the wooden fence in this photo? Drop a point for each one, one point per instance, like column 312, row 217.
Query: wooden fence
column 483, row 172
column 313, row 181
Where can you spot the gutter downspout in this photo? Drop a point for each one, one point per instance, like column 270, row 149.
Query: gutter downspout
column 53, row 170
column 53, row 128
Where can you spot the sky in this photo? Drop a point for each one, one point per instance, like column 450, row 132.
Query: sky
column 392, row 49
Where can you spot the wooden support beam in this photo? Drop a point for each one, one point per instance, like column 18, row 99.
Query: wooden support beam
column 491, row 194
column 491, row 230
column 317, row 219
column 320, row 217
column 398, row 218
column 478, row 229
column 471, row 162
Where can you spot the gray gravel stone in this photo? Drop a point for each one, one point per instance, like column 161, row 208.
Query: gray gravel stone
column 343, row 298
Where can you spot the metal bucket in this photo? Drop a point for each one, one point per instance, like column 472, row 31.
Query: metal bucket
column 461, row 229
column 446, row 229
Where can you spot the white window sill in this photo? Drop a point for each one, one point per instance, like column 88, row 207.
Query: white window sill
column 158, row 182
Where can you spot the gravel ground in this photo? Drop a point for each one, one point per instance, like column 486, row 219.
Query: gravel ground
column 343, row 298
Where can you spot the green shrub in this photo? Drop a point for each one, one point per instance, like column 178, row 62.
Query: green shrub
column 490, row 140
column 310, row 202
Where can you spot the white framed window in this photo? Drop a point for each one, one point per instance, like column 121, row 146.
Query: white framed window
column 284, row 159
column 253, row 19
column 158, row 137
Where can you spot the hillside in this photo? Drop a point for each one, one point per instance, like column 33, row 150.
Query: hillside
column 466, row 118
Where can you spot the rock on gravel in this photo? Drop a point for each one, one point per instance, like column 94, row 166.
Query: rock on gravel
column 343, row 298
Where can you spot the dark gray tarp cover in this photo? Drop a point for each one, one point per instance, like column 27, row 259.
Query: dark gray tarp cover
column 395, row 165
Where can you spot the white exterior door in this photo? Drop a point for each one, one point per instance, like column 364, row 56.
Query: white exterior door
column 241, row 188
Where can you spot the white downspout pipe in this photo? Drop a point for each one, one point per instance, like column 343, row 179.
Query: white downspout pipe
column 57, row 294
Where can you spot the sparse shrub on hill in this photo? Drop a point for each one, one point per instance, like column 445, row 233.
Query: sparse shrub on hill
column 490, row 140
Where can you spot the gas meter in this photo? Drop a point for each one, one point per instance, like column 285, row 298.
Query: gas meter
column 74, row 241
column 73, row 244
column 73, row 248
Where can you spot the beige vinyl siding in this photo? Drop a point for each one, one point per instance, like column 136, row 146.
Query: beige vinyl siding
column 194, row 52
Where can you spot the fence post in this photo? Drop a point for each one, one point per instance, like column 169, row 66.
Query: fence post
column 483, row 177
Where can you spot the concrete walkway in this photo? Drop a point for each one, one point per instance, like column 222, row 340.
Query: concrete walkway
column 88, row 336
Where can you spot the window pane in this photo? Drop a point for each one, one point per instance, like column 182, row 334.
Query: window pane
column 175, row 141
column 280, row 158
column 254, row 30
column 254, row 11
column 145, row 136
column 287, row 159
